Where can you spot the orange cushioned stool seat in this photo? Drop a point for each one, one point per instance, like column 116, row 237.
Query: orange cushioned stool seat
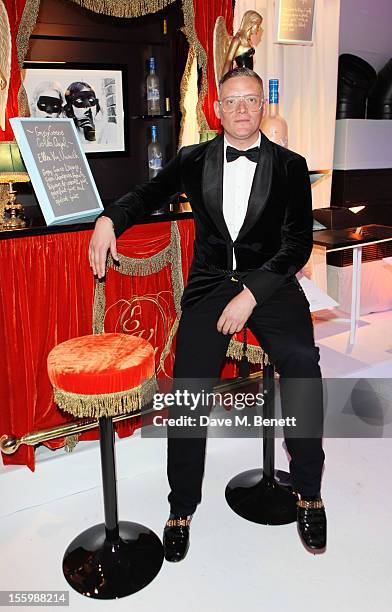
column 101, row 376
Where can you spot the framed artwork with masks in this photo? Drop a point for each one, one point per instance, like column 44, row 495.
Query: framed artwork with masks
column 92, row 97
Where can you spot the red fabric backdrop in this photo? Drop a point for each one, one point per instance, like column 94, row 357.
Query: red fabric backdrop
column 205, row 17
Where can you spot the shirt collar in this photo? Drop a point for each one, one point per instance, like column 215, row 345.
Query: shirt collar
column 255, row 144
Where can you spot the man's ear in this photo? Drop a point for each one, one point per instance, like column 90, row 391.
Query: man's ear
column 264, row 107
column 217, row 109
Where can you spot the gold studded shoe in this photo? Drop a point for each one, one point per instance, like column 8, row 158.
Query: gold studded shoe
column 176, row 537
column 312, row 524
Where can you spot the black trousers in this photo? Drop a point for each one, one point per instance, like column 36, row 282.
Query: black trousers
column 283, row 327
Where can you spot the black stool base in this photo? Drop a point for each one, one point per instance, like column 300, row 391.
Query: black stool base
column 263, row 500
column 99, row 569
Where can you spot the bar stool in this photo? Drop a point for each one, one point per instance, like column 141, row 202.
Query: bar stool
column 101, row 376
column 265, row 495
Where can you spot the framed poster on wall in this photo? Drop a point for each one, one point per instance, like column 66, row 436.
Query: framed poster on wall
column 294, row 20
column 92, row 96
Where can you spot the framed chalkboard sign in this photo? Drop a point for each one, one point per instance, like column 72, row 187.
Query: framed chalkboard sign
column 294, row 21
column 58, row 169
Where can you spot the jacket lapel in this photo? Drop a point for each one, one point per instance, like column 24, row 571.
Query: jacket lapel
column 212, row 184
column 261, row 187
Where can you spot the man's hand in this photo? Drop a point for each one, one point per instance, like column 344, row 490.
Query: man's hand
column 236, row 312
column 101, row 241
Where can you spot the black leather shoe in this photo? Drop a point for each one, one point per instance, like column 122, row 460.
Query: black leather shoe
column 312, row 524
column 176, row 538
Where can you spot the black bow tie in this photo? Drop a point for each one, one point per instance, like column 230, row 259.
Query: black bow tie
column 252, row 154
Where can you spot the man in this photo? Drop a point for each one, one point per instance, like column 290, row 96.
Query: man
column 251, row 202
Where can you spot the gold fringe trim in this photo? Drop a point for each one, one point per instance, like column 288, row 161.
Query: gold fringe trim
column 99, row 305
column 254, row 354
column 183, row 89
column 176, row 266
column 167, row 347
column 26, row 27
column 109, row 404
column 133, row 266
column 123, row 8
column 190, row 30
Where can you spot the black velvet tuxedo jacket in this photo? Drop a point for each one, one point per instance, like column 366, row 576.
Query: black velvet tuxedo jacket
column 275, row 240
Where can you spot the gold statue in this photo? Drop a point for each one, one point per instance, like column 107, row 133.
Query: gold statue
column 239, row 48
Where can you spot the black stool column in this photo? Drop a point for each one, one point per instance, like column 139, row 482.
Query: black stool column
column 112, row 559
column 264, row 495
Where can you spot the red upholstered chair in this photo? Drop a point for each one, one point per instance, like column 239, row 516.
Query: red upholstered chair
column 261, row 495
column 101, row 376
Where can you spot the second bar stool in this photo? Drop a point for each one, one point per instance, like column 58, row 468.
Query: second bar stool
column 265, row 495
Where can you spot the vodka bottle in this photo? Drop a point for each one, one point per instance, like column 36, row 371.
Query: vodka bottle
column 153, row 101
column 273, row 125
column 154, row 154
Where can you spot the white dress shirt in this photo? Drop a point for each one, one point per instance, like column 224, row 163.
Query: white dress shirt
column 237, row 183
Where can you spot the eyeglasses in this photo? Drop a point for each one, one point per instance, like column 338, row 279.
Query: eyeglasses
column 253, row 103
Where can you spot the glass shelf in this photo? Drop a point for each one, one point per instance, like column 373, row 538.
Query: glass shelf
column 152, row 117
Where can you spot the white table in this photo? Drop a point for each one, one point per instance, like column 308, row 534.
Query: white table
column 353, row 238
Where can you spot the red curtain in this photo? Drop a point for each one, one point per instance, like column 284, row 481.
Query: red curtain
column 46, row 295
column 205, row 17
column 15, row 11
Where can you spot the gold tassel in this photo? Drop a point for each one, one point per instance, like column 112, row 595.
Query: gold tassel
column 123, row 8
column 106, row 404
column 254, row 354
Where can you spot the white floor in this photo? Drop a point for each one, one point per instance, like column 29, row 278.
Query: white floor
column 232, row 564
